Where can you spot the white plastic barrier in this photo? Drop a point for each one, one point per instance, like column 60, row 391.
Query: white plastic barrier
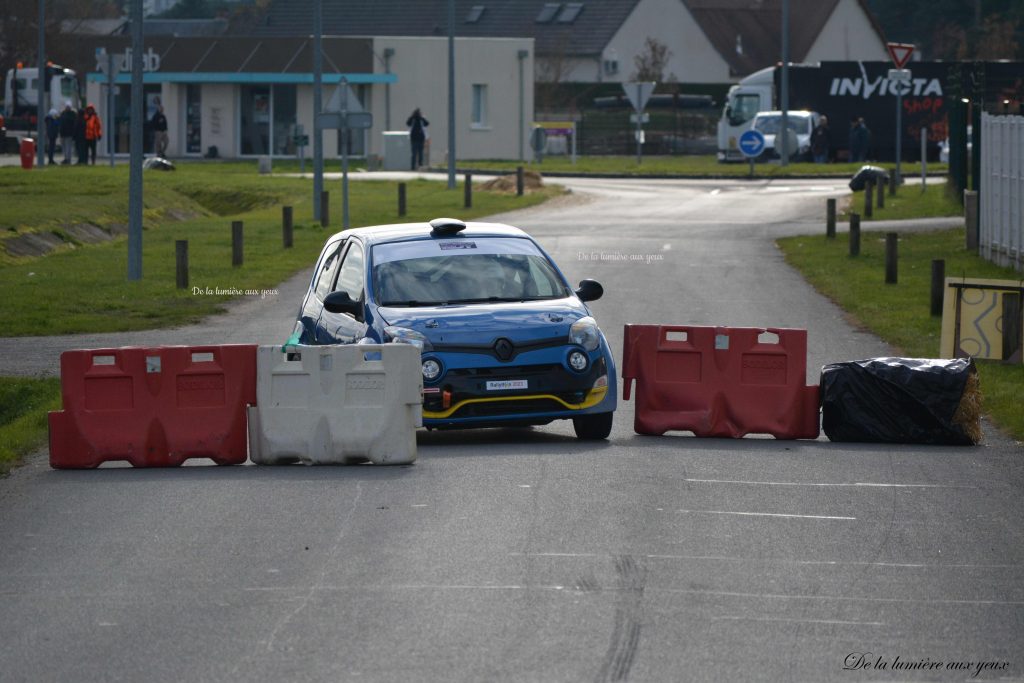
column 331, row 405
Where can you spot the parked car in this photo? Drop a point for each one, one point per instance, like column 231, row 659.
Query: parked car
column 802, row 123
column 504, row 339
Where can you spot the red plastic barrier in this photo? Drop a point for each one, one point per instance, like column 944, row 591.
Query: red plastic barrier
column 720, row 381
column 154, row 407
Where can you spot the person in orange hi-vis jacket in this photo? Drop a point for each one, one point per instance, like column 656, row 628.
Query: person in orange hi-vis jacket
column 93, row 132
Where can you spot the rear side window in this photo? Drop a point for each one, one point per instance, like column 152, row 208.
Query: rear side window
column 350, row 279
column 326, row 275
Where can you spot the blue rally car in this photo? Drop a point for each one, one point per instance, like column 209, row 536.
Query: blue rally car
column 504, row 339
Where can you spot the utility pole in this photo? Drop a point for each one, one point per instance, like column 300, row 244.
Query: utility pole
column 782, row 139
column 318, row 135
column 451, row 94
column 135, row 163
column 43, row 87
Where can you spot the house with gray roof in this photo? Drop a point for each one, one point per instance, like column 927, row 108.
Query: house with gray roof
column 590, row 41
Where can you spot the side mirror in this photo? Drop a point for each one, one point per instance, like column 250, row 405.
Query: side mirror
column 340, row 302
column 590, row 290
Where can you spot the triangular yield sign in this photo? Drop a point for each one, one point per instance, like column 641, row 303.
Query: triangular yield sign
column 900, row 53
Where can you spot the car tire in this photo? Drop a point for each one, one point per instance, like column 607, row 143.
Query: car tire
column 593, row 427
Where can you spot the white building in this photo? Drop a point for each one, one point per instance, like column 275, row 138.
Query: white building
column 248, row 96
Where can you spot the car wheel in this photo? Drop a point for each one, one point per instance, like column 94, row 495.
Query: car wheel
column 593, row 427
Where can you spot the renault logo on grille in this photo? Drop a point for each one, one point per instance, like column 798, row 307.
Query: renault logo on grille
column 504, row 349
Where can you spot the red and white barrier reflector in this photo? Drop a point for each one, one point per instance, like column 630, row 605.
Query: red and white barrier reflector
column 720, row 381
column 154, row 407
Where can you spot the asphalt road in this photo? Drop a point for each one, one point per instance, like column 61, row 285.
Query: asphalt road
column 522, row 555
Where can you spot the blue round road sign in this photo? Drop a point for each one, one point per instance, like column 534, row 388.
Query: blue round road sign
column 751, row 143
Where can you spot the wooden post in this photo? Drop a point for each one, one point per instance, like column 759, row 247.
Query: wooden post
column 401, row 199
column 286, row 227
column 892, row 184
column 830, row 218
column 869, row 190
column 881, row 194
column 468, row 192
column 1011, row 327
column 971, row 219
column 181, row 263
column 325, row 208
column 938, row 285
column 855, row 234
column 892, row 241
column 520, row 183
column 236, row 243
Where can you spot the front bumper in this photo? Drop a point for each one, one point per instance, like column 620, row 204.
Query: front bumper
column 538, row 387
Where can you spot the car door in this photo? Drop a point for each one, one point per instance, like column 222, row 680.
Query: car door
column 344, row 328
column 323, row 279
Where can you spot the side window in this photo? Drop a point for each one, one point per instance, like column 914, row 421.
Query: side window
column 327, row 269
column 350, row 279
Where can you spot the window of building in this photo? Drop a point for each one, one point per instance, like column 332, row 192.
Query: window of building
column 570, row 12
column 475, row 12
column 284, row 119
column 611, row 66
column 479, row 114
column 548, row 12
column 255, row 119
column 193, row 119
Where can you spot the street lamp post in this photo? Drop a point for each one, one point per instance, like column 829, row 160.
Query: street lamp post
column 522, row 55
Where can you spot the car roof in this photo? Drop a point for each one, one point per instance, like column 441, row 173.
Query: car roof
column 800, row 113
column 400, row 232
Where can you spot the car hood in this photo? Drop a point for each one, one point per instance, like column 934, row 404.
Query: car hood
column 481, row 323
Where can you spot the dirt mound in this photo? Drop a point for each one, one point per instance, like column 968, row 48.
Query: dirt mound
column 507, row 183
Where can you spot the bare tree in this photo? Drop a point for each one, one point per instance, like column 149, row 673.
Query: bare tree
column 651, row 62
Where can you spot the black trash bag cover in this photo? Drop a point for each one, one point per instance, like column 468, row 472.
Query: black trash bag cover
column 873, row 173
column 894, row 400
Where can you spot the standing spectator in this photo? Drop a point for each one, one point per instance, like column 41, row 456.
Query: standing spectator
column 93, row 132
column 417, row 134
column 52, row 122
column 67, row 131
column 159, row 125
column 80, row 144
column 820, row 141
column 859, row 136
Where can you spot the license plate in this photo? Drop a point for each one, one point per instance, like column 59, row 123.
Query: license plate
column 506, row 385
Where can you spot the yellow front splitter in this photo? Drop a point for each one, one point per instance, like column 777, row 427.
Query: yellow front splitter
column 594, row 396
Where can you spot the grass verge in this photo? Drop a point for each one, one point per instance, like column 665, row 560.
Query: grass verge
column 24, row 404
column 83, row 287
column 909, row 202
column 900, row 313
column 680, row 165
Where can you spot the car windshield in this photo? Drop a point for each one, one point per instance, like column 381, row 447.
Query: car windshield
column 769, row 125
column 463, row 270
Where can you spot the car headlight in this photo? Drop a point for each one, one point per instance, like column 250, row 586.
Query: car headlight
column 578, row 361
column 584, row 332
column 431, row 369
column 403, row 335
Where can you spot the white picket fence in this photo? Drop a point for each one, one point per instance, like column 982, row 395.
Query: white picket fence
column 1001, row 219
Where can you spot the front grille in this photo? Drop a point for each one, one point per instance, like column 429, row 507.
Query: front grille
column 524, row 407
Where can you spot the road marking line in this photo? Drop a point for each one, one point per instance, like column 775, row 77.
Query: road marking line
column 782, row 560
column 765, row 514
column 855, row 484
column 801, row 621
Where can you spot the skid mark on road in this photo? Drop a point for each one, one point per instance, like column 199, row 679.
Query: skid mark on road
column 632, row 580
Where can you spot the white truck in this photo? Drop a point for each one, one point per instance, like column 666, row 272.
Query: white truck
column 21, row 93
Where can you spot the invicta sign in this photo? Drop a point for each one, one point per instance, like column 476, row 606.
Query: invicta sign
column 883, row 87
